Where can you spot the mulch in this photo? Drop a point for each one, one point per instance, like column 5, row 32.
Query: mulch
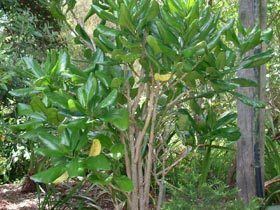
column 11, row 198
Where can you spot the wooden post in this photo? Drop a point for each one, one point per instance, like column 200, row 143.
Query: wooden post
column 250, row 147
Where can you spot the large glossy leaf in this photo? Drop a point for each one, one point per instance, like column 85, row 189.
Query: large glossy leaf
column 22, row 92
column 225, row 119
column 24, row 109
column 167, row 36
column 267, row 35
column 243, row 82
column 58, row 99
column 34, row 67
column 97, row 163
column 125, row 18
column 61, row 63
column 56, row 10
column 27, row 126
column 152, row 11
column 50, row 141
column 103, row 14
column 251, row 102
column 83, row 34
column 257, row 59
column 124, row 183
column 152, row 41
column 253, row 39
column 76, row 168
column 230, row 133
column 105, row 30
column 109, row 100
column 118, row 117
column 90, row 88
column 49, row 175
column 117, row 151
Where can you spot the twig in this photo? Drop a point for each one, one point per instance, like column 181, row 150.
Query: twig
column 169, row 168
column 150, row 156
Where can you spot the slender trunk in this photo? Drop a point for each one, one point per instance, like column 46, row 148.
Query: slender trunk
column 250, row 146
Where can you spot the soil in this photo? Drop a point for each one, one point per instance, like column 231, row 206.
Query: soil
column 11, row 198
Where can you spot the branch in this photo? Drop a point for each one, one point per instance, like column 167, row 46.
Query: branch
column 141, row 135
column 169, row 168
column 127, row 160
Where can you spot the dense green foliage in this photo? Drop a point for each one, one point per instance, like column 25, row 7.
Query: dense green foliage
column 154, row 90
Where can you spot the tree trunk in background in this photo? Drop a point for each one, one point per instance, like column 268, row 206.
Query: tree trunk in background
column 250, row 119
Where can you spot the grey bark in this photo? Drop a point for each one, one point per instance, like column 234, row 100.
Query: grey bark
column 250, row 119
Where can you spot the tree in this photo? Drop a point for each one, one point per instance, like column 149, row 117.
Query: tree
column 155, row 72
column 250, row 147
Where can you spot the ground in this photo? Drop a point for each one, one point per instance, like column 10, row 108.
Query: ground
column 11, row 198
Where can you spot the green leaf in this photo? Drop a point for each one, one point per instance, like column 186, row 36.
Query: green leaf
column 195, row 107
column 116, row 82
column 30, row 125
column 119, row 118
column 104, row 78
column 53, row 116
column 124, row 183
column 248, row 101
column 226, row 119
column 72, row 105
column 257, row 59
column 230, row 133
column 82, row 96
column 98, row 163
column 49, row 175
column 75, row 168
column 211, row 118
column 243, row 82
column 100, row 179
column 24, row 109
column 90, row 88
column 61, row 63
column 152, row 41
column 252, row 40
column 216, row 39
column 109, row 100
column 50, row 141
column 105, row 141
column 56, row 11
column 37, row 105
column 58, row 99
column 194, row 12
column 104, row 15
column 23, row 92
column 34, row 67
column 152, row 11
column 267, row 35
column 71, row 4
column 105, row 30
column 231, row 36
column 125, row 18
column 221, row 60
column 117, row 151
column 83, row 34
column 167, row 36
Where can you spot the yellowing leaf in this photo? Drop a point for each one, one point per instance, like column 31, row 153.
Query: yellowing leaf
column 2, row 138
column 162, row 77
column 95, row 148
column 62, row 178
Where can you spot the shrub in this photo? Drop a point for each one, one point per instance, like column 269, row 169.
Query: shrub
column 155, row 73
